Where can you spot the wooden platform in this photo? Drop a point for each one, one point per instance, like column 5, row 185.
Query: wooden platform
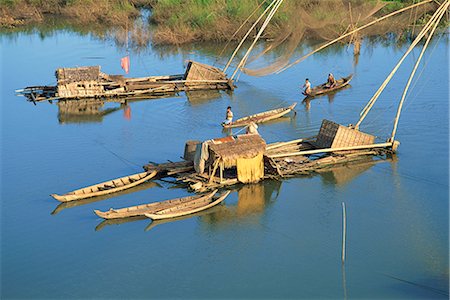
column 90, row 82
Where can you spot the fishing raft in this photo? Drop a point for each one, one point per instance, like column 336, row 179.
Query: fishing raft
column 324, row 89
column 247, row 158
column 90, row 82
column 261, row 117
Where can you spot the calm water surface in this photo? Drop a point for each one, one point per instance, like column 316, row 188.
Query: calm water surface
column 271, row 240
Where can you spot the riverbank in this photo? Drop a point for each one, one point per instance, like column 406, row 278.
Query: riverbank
column 181, row 22
column 19, row 13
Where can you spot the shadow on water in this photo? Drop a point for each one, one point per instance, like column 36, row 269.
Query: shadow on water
column 343, row 175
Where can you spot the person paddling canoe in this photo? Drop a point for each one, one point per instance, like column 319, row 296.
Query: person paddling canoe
column 307, row 87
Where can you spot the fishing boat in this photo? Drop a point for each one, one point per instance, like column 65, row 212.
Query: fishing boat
column 261, row 117
column 141, row 210
column 107, row 187
column 323, row 89
column 186, row 208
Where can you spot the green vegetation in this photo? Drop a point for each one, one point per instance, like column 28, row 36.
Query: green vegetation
column 183, row 21
column 15, row 13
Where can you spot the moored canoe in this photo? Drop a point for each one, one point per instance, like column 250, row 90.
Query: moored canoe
column 107, row 187
column 261, row 117
column 183, row 210
column 141, row 210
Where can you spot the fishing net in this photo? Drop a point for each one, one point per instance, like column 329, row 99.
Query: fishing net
column 326, row 21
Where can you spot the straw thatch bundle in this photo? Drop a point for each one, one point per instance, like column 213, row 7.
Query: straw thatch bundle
column 243, row 147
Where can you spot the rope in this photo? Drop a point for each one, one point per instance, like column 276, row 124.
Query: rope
column 124, row 160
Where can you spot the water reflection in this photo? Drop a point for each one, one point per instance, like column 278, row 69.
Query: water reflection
column 343, row 175
column 253, row 200
column 200, row 97
column 83, row 111
column 95, row 110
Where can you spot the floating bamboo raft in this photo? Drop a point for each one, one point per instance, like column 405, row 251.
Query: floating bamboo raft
column 107, row 187
column 323, row 89
column 90, row 82
column 261, row 117
column 155, row 207
column 334, row 145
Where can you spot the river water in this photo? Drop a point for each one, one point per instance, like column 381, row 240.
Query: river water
column 269, row 240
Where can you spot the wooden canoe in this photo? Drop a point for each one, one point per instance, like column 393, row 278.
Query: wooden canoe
column 107, row 187
column 261, row 117
column 186, row 209
column 322, row 89
column 141, row 210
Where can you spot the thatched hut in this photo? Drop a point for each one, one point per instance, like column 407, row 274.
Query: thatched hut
column 243, row 153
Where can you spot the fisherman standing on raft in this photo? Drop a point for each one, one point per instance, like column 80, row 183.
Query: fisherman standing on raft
column 228, row 116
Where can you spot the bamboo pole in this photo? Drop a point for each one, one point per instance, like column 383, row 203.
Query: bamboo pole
column 326, row 150
column 270, row 147
column 350, row 33
column 244, row 60
column 216, row 164
column 344, row 231
column 263, row 27
column 247, row 34
column 444, row 7
column 372, row 101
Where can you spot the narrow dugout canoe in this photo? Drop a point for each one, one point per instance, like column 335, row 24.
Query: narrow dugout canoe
column 261, row 117
column 186, row 209
column 322, row 89
column 107, row 187
column 141, row 210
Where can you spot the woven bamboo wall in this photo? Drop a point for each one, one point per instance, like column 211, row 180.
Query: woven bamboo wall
column 198, row 71
column 333, row 135
column 70, row 75
column 80, row 89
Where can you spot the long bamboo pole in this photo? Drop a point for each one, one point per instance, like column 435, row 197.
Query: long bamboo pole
column 247, row 34
column 350, row 33
column 372, row 101
column 344, row 231
column 263, row 27
column 444, row 7
column 270, row 147
column 325, row 150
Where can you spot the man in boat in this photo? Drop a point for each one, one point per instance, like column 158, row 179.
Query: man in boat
column 228, row 116
column 331, row 82
column 307, row 87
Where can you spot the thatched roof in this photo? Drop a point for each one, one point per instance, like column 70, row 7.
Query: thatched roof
column 243, row 146
column 69, row 75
